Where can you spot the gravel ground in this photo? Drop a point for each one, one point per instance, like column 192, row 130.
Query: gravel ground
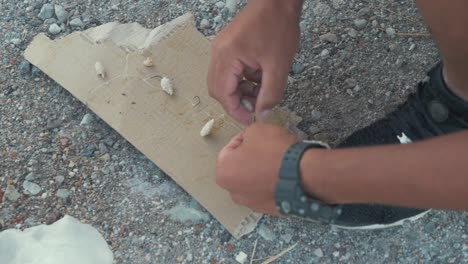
column 58, row 158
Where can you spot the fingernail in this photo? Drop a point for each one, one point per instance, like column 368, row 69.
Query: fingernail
column 264, row 115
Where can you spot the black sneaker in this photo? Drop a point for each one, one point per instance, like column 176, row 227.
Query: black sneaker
column 432, row 111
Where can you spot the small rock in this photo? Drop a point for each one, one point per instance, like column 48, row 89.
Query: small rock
column 231, row 6
column 336, row 254
column 350, row 83
column 61, row 13
column 313, row 129
column 337, row 3
column 241, row 257
column 360, row 23
column 297, row 68
column 102, row 148
column 363, row 12
column 47, row 11
column 76, row 23
column 11, row 193
column 16, row 41
column 412, row 47
column 352, row 33
column 50, row 218
column 204, row 23
column 315, row 115
column 54, row 29
column 88, row 152
column 286, row 238
column 329, row 37
column 266, row 233
column 357, row 88
column 322, row 10
column 183, row 213
column 189, row 257
column 218, row 19
column 318, row 252
column 105, row 157
column 219, row 4
column 59, row 179
column 87, row 120
column 50, row 21
column 31, row 188
column 63, row 193
column 30, row 176
column 390, row 31
column 25, row 67
column 375, row 23
column 325, row 53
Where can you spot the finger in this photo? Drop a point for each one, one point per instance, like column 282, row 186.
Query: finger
column 253, row 75
column 271, row 92
column 235, row 142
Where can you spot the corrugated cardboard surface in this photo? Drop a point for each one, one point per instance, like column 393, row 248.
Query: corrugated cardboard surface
column 165, row 128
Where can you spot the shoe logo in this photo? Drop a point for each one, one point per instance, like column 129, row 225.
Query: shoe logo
column 404, row 139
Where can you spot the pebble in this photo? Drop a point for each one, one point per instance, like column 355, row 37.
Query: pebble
column 360, row 23
column 204, row 23
column 189, row 257
column 329, row 37
column 31, row 188
column 76, row 23
column 298, row 68
column 322, row 10
column 88, row 151
column 412, row 47
column 363, row 12
column 11, row 193
column 219, row 4
column 375, row 23
column 231, row 6
column 266, row 233
column 16, row 41
column 185, row 214
column 24, row 67
column 59, row 179
column 54, row 29
column 390, row 32
column 50, row 21
column 105, row 157
column 30, row 176
column 87, row 120
column 63, row 193
column 316, row 115
column 336, row 254
column 313, row 129
column 325, row 53
column 47, row 11
column 352, row 33
column 218, row 19
column 241, row 257
column 61, row 13
column 286, row 238
column 318, row 252
column 350, row 83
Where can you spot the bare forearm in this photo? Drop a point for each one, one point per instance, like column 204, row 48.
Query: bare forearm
column 428, row 174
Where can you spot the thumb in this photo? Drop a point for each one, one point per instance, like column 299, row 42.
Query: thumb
column 235, row 142
column 270, row 94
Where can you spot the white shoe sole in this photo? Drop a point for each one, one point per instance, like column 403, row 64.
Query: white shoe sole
column 380, row 226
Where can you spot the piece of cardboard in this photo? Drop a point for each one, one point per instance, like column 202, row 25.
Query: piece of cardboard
column 164, row 128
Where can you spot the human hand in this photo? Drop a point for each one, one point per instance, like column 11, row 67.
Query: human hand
column 259, row 45
column 248, row 166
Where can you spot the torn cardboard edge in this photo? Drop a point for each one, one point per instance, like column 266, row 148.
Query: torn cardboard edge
column 164, row 128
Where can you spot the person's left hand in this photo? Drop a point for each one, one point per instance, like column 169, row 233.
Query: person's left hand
column 248, row 166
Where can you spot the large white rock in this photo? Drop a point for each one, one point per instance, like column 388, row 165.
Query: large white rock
column 66, row 241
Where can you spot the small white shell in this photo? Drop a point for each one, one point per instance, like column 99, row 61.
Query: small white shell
column 100, row 69
column 206, row 130
column 166, row 85
column 404, row 139
column 148, row 62
column 247, row 105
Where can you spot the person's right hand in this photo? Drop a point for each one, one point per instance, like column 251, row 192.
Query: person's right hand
column 259, row 45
